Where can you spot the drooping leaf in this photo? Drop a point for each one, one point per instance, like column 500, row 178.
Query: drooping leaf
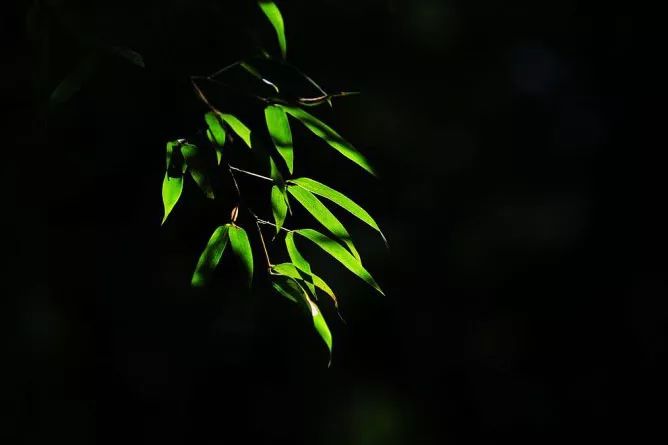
column 238, row 127
column 340, row 254
column 216, row 128
column 171, row 192
column 242, row 248
column 330, row 136
column 292, row 290
column 290, row 270
column 279, row 206
column 211, row 256
column 73, row 82
column 316, row 208
column 287, row 287
column 298, row 260
column 340, row 199
column 322, row 328
column 200, row 168
column 279, row 129
column 219, row 150
column 251, row 69
column 276, row 19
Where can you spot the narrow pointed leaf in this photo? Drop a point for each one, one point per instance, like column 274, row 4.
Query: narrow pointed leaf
column 219, row 150
column 171, row 192
column 238, row 127
column 251, row 69
column 287, row 287
column 291, row 289
column 278, row 206
column 322, row 328
column 340, row 199
column 330, row 136
column 339, row 253
column 290, row 270
column 210, row 257
column 129, row 54
column 276, row 19
column 215, row 128
column 298, row 260
column 316, row 208
column 242, row 249
column 199, row 168
column 279, row 129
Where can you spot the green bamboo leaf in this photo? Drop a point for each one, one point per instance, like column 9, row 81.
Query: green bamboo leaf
column 242, row 248
column 279, row 129
column 219, row 150
column 330, row 136
column 238, row 127
column 340, row 199
column 279, row 206
column 298, row 260
column 292, row 290
column 340, row 254
column 276, row 19
column 199, row 168
column 211, row 256
column 290, row 270
column 287, row 287
column 322, row 328
column 215, row 128
column 171, row 192
column 316, row 208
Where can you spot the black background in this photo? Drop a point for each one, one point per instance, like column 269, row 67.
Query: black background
column 525, row 276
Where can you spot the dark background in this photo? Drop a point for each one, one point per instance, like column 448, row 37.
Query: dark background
column 525, row 278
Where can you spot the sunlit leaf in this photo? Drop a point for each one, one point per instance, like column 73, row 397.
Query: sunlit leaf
column 171, row 192
column 219, row 150
column 216, row 128
column 330, row 136
column 242, row 249
column 279, row 129
column 274, row 15
column 316, row 208
column 338, row 198
column 199, row 168
column 321, row 326
column 298, row 260
column 339, row 253
column 278, row 206
column 238, row 127
column 210, row 257
column 291, row 289
column 290, row 270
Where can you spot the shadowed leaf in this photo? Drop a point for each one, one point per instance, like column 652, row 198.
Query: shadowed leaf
column 71, row 84
column 171, row 192
column 199, row 167
column 238, row 127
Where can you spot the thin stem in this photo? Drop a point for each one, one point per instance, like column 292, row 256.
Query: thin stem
column 255, row 217
column 250, row 173
column 267, row 223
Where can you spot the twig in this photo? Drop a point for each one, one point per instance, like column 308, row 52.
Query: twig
column 250, row 173
column 267, row 223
